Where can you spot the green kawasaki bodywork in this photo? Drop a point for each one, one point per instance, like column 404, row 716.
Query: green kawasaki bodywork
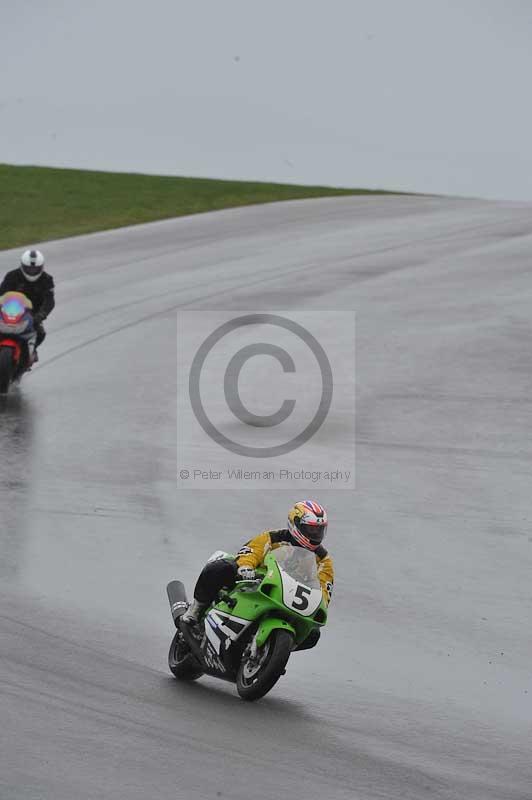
column 265, row 603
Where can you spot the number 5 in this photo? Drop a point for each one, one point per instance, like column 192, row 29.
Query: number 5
column 300, row 593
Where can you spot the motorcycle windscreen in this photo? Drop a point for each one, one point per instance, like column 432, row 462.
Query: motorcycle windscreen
column 14, row 319
column 14, row 300
column 299, row 575
column 299, row 563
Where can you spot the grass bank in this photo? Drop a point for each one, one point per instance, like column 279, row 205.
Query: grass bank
column 43, row 203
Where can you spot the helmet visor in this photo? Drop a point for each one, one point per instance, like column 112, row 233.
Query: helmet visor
column 314, row 533
column 33, row 270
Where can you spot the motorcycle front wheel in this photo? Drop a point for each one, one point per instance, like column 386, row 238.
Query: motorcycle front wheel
column 6, row 368
column 256, row 676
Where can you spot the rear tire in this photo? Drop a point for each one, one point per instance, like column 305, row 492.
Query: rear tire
column 6, row 368
column 275, row 654
column 183, row 665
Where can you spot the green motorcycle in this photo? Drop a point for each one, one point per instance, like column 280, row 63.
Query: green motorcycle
column 249, row 632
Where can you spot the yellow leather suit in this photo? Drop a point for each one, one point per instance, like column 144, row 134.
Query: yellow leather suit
column 253, row 553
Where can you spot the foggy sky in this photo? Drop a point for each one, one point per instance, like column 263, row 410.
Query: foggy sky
column 417, row 95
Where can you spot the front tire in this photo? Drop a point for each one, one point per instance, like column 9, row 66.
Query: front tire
column 183, row 665
column 6, row 368
column 254, row 680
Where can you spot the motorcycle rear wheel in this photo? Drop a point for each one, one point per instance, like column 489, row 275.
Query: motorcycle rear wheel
column 183, row 665
column 252, row 682
column 6, row 368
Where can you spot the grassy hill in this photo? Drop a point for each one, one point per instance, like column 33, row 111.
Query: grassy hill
column 43, row 203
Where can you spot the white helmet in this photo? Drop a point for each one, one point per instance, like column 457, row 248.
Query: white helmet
column 32, row 264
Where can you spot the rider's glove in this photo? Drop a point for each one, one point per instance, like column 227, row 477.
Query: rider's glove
column 246, row 573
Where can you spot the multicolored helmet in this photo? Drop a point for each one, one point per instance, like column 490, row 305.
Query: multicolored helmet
column 307, row 523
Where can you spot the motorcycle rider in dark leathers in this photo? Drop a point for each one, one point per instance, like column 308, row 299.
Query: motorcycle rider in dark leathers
column 37, row 285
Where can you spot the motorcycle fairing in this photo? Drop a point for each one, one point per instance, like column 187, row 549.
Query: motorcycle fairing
column 15, row 346
column 16, row 326
column 223, row 629
column 14, row 313
column 299, row 596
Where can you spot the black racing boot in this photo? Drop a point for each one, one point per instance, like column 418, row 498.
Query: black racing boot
column 193, row 613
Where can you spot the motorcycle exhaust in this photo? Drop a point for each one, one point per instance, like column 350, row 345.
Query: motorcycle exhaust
column 177, row 597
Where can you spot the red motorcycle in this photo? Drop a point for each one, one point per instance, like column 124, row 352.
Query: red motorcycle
column 17, row 338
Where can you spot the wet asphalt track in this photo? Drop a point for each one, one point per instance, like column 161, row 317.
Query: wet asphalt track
column 422, row 685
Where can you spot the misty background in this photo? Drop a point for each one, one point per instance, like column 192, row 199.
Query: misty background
column 418, row 95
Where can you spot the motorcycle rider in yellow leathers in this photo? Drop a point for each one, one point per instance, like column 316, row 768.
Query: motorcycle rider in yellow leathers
column 307, row 526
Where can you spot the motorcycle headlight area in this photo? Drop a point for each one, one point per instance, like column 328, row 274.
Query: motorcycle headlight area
column 9, row 327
